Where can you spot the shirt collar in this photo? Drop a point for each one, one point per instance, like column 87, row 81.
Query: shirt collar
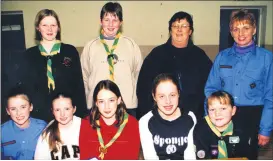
column 18, row 129
column 233, row 52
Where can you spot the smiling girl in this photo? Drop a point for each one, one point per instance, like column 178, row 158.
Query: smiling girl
column 166, row 132
column 218, row 136
column 53, row 67
column 112, row 56
column 60, row 140
column 20, row 134
column 109, row 132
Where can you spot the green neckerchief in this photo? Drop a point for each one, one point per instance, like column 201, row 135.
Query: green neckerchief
column 110, row 52
column 55, row 49
column 222, row 148
column 103, row 148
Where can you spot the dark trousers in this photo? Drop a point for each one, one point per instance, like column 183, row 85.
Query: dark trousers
column 249, row 117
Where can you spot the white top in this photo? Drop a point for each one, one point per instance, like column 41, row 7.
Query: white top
column 68, row 150
column 95, row 68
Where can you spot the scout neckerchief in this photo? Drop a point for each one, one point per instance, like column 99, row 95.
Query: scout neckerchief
column 222, row 149
column 102, row 148
column 110, row 53
column 55, row 49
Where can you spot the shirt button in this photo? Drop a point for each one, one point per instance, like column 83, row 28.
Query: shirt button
column 23, row 142
column 236, row 84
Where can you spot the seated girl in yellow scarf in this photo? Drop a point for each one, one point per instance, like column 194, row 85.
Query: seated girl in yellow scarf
column 217, row 136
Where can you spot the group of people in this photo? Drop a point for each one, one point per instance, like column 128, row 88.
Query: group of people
column 109, row 103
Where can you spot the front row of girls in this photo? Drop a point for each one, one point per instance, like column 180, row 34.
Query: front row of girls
column 167, row 132
column 108, row 132
column 27, row 138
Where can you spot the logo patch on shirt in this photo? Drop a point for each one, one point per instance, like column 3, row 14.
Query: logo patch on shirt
column 252, row 85
column 114, row 57
column 214, row 150
column 225, row 66
column 67, row 61
column 201, row 154
column 234, row 139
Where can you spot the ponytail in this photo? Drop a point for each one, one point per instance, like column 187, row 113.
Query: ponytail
column 53, row 133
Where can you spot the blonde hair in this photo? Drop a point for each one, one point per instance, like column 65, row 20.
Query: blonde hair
column 18, row 92
column 223, row 97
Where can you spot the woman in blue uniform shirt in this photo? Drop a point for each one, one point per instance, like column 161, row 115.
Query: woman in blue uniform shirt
column 245, row 71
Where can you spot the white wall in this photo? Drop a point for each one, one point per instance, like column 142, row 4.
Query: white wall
column 145, row 21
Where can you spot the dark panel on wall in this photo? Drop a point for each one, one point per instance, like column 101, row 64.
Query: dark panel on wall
column 12, row 33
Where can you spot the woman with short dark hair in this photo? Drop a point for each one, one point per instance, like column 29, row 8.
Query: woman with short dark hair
column 179, row 56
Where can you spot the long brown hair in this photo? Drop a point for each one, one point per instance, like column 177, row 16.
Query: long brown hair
column 121, row 109
column 52, row 131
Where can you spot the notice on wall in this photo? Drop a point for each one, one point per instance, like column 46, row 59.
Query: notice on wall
column 11, row 28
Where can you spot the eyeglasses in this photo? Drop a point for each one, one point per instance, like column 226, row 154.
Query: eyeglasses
column 182, row 26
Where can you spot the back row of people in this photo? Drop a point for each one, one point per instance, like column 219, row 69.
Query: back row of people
column 53, row 67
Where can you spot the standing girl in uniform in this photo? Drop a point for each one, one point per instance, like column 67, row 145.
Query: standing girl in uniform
column 166, row 132
column 54, row 67
column 60, row 140
column 109, row 132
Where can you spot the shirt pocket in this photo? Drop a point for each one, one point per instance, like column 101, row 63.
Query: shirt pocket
column 226, row 75
column 254, row 82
